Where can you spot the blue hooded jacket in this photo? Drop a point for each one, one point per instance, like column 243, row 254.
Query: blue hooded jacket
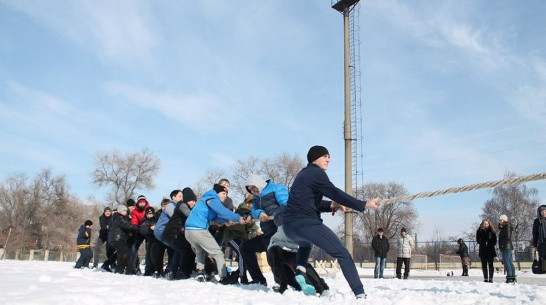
column 209, row 208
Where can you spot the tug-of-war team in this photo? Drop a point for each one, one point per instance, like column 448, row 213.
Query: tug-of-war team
column 192, row 233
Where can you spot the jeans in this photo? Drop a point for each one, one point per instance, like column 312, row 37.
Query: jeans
column 508, row 264
column 379, row 267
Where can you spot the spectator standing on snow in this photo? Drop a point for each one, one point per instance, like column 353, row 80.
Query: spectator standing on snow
column 539, row 234
column 83, row 242
column 381, row 247
column 404, row 246
column 486, row 239
column 506, row 247
column 463, row 253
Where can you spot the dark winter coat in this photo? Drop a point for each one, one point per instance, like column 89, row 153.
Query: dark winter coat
column 146, row 231
column 104, row 222
column 463, row 249
column 120, row 228
column 539, row 233
column 175, row 225
column 381, row 246
column 505, row 237
column 307, row 192
column 487, row 239
column 83, row 241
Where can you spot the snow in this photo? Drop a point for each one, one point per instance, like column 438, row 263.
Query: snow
column 55, row 283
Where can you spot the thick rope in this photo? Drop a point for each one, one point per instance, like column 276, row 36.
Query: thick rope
column 491, row 184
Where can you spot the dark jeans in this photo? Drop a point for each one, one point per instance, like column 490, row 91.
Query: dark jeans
column 85, row 258
column 139, row 239
column 399, row 261
column 308, row 232
column 249, row 249
column 183, row 258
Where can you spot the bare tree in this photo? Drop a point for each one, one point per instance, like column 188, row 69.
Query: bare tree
column 517, row 202
column 125, row 173
column 41, row 214
column 208, row 180
column 390, row 217
column 281, row 169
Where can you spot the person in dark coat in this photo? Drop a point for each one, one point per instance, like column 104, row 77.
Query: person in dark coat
column 381, row 247
column 539, row 234
column 102, row 238
column 463, row 253
column 173, row 236
column 120, row 231
column 486, row 239
column 302, row 222
column 506, row 247
column 83, row 242
column 147, row 231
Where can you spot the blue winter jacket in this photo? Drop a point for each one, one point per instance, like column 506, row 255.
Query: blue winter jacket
column 208, row 209
column 306, row 195
column 269, row 200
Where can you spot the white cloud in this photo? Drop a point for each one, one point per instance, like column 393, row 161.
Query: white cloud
column 198, row 112
column 530, row 100
column 120, row 32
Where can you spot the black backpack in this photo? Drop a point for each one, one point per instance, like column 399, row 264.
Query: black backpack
column 537, row 266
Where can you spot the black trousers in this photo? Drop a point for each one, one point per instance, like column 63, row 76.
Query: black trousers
column 283, row 267
column 249, row 249
column 487, row 267
column 123, row 263
column 399, row 262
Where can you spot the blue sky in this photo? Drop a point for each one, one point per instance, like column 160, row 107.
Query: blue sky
column 453, row 93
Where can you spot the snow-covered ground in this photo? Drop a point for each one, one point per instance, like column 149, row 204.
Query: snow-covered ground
column 55, row 283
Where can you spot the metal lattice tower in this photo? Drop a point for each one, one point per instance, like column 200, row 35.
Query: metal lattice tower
column 352, row 127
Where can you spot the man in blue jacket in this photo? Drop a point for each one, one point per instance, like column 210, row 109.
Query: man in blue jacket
column 210, row 208
column 266, row 198
column 302, row 222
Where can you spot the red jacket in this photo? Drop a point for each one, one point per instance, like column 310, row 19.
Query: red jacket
column 137, row 216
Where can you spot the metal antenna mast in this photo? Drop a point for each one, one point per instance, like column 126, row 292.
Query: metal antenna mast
column 352, row 126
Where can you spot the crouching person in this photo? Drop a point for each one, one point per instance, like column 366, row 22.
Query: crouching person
column 281, row 255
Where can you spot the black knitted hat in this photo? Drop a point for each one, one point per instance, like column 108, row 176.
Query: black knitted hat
column 316, row 152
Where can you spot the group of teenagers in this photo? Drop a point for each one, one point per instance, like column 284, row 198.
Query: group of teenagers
column 193, row 231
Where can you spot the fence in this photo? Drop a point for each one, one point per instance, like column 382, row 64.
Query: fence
column 436, row 255
column 433, row 255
